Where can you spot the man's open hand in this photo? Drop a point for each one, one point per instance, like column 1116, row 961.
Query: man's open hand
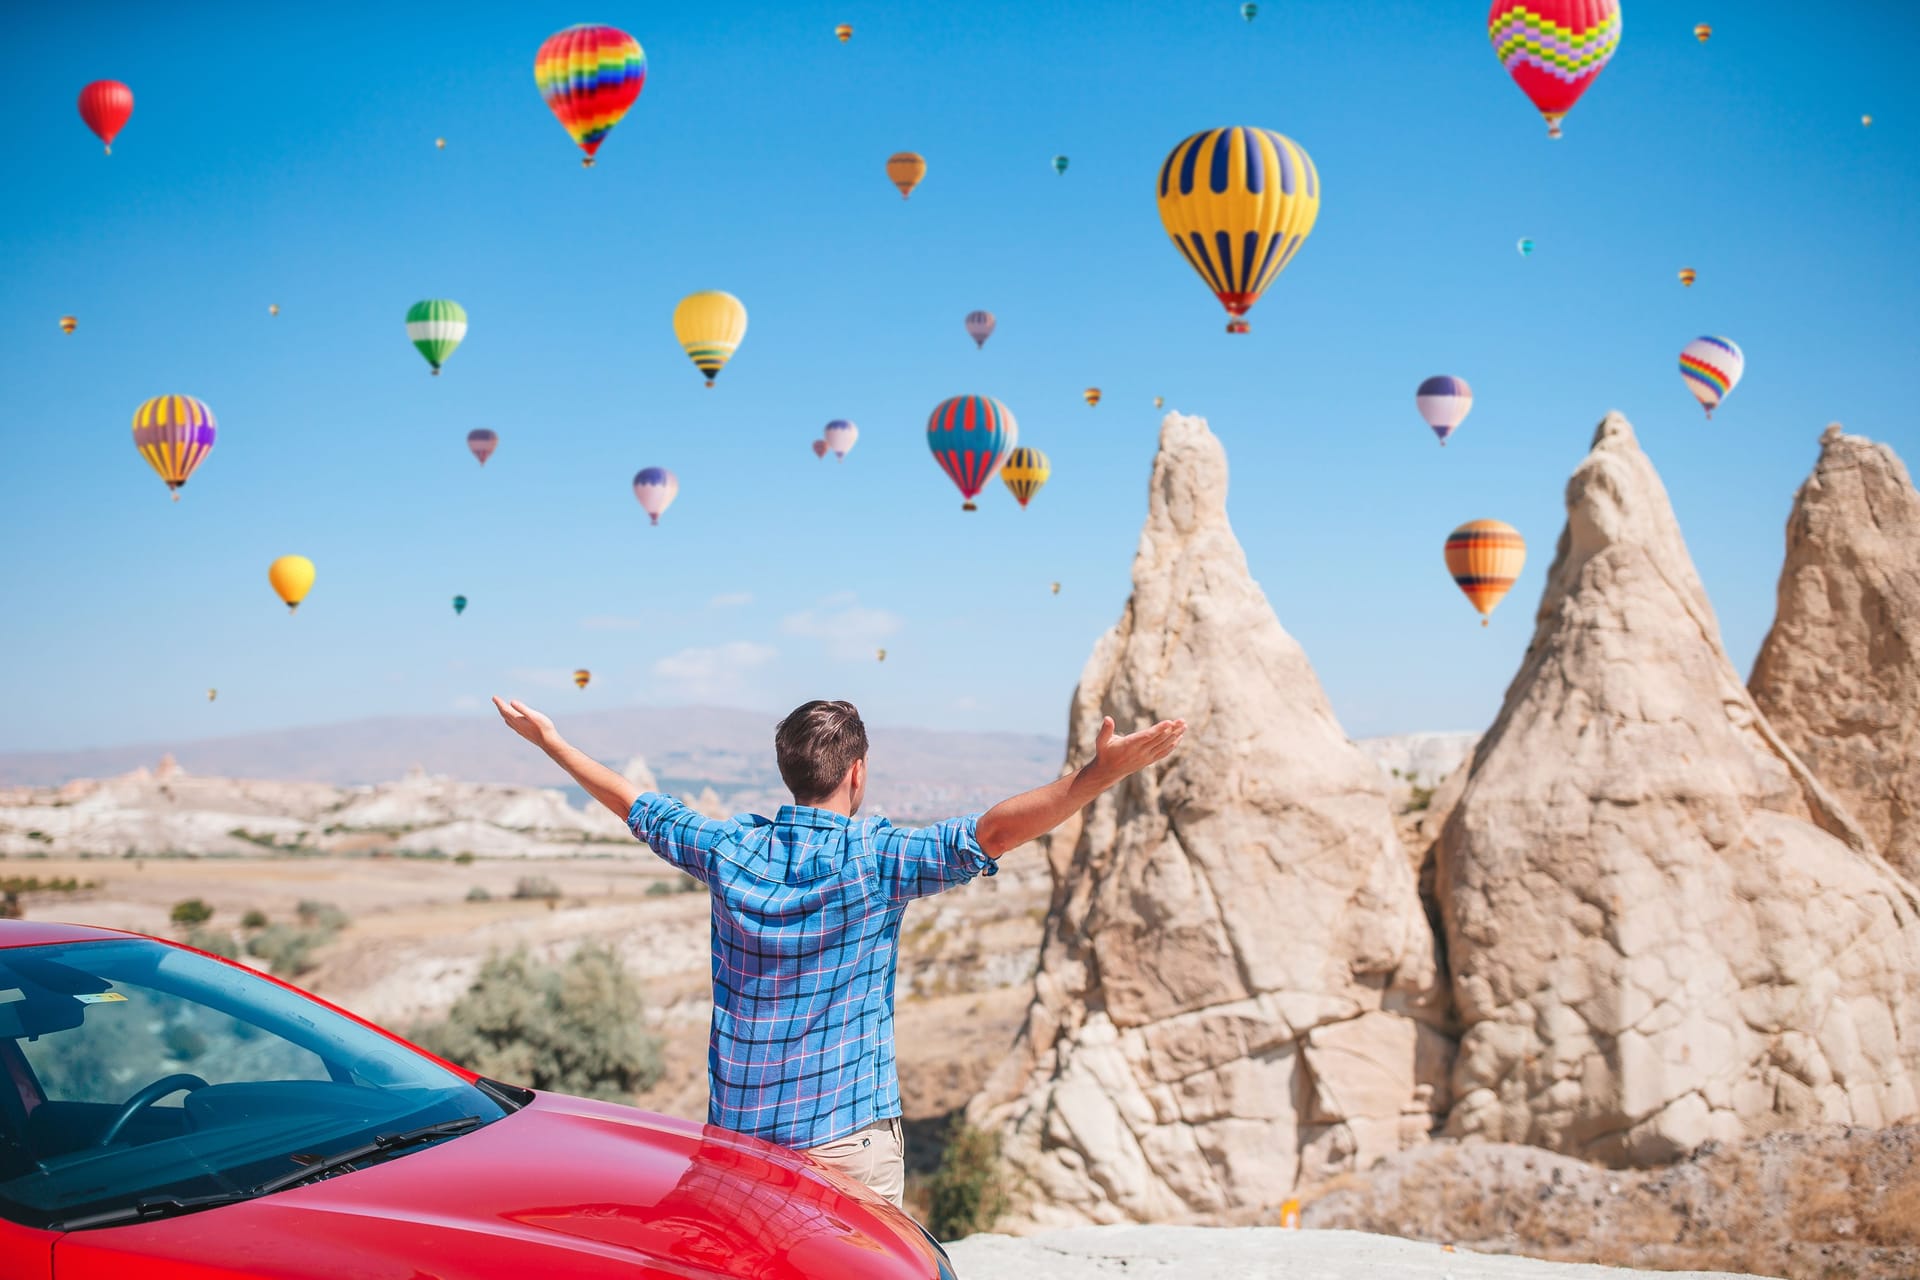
column 528, row 723
column 1129, row 753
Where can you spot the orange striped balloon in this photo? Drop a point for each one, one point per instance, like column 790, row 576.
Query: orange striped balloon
column 1485, row 557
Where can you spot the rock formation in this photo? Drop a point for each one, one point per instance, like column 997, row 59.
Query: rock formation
column 1237, row 976
column 1661, row 930
column 1839, row 674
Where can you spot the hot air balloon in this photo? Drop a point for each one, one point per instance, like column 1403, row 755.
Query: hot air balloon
column 710, row 325
column 1025, row 472
column 439, row 144
column 175, row 435
column 106, row 106
column 459, row 605
column 1688, row 276
column 1060, row 164
column 481, row 443
column 819, row 448
column 840, row 436
column 1484, row 557
column 656, row 487
column 1525, row 246
column 1703, row 33
column 273, row 308
column 1249, row 11
column 1159, row 402
column 905, row 169
column 212, row 694
column 581, row 677
column 1554, row 49
column 1238, row 204
column 880, row 655
column 1444, row 402
column 1712, row 368
column 970, row 436
column 292, row 578
column 589, row 76
column 1866, row 122
column 68, row 324
column 980, row 327
column 1091, row 395
column 436, row 327
column 843, row 32
column 1056, row 588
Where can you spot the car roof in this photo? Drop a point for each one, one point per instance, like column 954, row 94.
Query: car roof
column 37, row 933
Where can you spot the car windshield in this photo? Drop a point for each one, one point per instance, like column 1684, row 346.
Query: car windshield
column 135, row 1075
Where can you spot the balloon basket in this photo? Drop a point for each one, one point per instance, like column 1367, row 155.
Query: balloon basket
column 109, row 150
column 586, row 162
column 1239, row 326
column 436, row 371
column 968, row 506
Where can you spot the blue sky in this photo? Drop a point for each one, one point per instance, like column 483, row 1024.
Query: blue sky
column 286, row 157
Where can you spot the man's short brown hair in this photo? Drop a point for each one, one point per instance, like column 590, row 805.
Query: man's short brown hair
column 815, row 746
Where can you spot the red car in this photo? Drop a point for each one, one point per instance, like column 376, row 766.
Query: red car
column 168, row 1115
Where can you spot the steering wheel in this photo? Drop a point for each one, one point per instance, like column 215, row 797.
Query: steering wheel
column 147, row 1096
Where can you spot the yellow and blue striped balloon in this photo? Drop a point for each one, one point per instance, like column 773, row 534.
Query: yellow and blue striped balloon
column 710, row 325
column 1238, row 204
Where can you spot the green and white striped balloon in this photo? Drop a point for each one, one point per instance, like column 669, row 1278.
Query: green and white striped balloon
column 436, row 327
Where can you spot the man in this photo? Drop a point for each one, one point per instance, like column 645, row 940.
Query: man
column 806, row 922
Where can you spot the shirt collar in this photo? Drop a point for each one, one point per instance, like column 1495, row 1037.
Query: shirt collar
column 805, row 815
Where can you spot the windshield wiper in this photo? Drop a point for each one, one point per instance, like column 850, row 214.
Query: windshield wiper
column 169, row 1206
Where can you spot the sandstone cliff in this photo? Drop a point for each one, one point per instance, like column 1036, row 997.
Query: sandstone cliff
column 1661, row 929
column 1237, row 977
column 1839, row 674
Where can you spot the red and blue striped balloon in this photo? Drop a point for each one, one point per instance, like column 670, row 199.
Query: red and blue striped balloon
column 970, row 436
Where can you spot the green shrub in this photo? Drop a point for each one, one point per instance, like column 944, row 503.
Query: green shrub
column 574, row 1028
column 254, row 919
column 323, row 916
column 535, row 887
column 189, row 913
column 968, row 1193
column 479, row 894
column 463, row 858
column 1419, row 799
column 287, row 950
column 218, row 941
column 660, row 888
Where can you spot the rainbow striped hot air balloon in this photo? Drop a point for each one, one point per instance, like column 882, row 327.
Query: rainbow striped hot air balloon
column 1025, row 473
column 68, row 324
column 970, row 437
column 840, row 436
column 581, row 678
column 1444, row 401
column 1091, row 395
column 589, row 76
column 1554, row 49
column 436, row 327
column 1712, row 369
column 1485, row 558
column 980, row 327
column 1238, row 203
column 656, row 488
column 175, row 435
column 1687, row 276
column 710, row 325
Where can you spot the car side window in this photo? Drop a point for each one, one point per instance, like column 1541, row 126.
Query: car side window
column 125, row 1043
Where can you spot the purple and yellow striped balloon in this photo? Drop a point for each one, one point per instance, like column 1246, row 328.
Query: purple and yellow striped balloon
column 970, row 437
column 175, row 435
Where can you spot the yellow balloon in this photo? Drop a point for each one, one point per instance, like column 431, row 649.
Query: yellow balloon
column 1091, row 395
column 1025, row 472
column 905, row 169
column 68, row 324
column 292, row 578
column 581, row 677
column 710, row 325
column 1238, row 203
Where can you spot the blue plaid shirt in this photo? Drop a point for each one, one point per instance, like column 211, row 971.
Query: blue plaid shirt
column 806, row 936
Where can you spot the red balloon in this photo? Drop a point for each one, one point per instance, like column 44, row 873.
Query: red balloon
column 105, row 105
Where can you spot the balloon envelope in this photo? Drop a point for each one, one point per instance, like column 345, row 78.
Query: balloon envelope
column 843, row 32
column 840, row 436
column 1238, row 203
column 1485, row 558
column 1688, row 276
column 1059, row 164
column 905, row 169
column 1249, row 10
column 1091, row 395
column 819, row 448
column 1554, row 49
column 1025, row 472
column 589, row 76
column 106, row 105
column 1703, row 33
column 581, row 677
column 68, row 324
column 656, row 488
column 1712, row 369
column 1525, row 246
column 1444, row 401
column 980, row 326
column 436, row 326
column 970, row 437
column 292, row 578
column 174, row 434
column 459, row 605
column 481, row 443
column 710, row 325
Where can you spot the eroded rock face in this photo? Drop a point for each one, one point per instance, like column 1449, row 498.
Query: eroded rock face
column 1661, row 929
column 1237, row 979
column 1839, row 674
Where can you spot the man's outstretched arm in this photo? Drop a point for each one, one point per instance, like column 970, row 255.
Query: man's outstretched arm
column 600, row 782
column 1032, row 814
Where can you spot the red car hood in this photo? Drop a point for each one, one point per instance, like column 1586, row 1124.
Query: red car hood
column 564, row 1187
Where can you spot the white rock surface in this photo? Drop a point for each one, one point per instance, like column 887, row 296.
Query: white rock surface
column 1254, row 1253
column 1661, row 929
column 1237, row 974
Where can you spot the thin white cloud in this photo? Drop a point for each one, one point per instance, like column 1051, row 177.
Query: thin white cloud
column 539, row 678
column 716, row 672
column 612, row 622
column 468, row 702
column 843, row 625
column 731, row 600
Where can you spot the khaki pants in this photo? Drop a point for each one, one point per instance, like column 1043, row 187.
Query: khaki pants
column 876, row 1156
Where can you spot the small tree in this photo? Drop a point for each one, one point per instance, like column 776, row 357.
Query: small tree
column 968, row 1193
column 189, row 913
column 573, row 1028
column 254, row 919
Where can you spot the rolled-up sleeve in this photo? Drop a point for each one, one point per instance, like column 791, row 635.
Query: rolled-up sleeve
column 677, row 833
column 915, row 862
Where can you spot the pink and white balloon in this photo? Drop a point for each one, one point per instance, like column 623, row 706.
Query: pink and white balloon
column 980, row 327
column 1444, row 401
column 656, row 487
column 840, row 436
